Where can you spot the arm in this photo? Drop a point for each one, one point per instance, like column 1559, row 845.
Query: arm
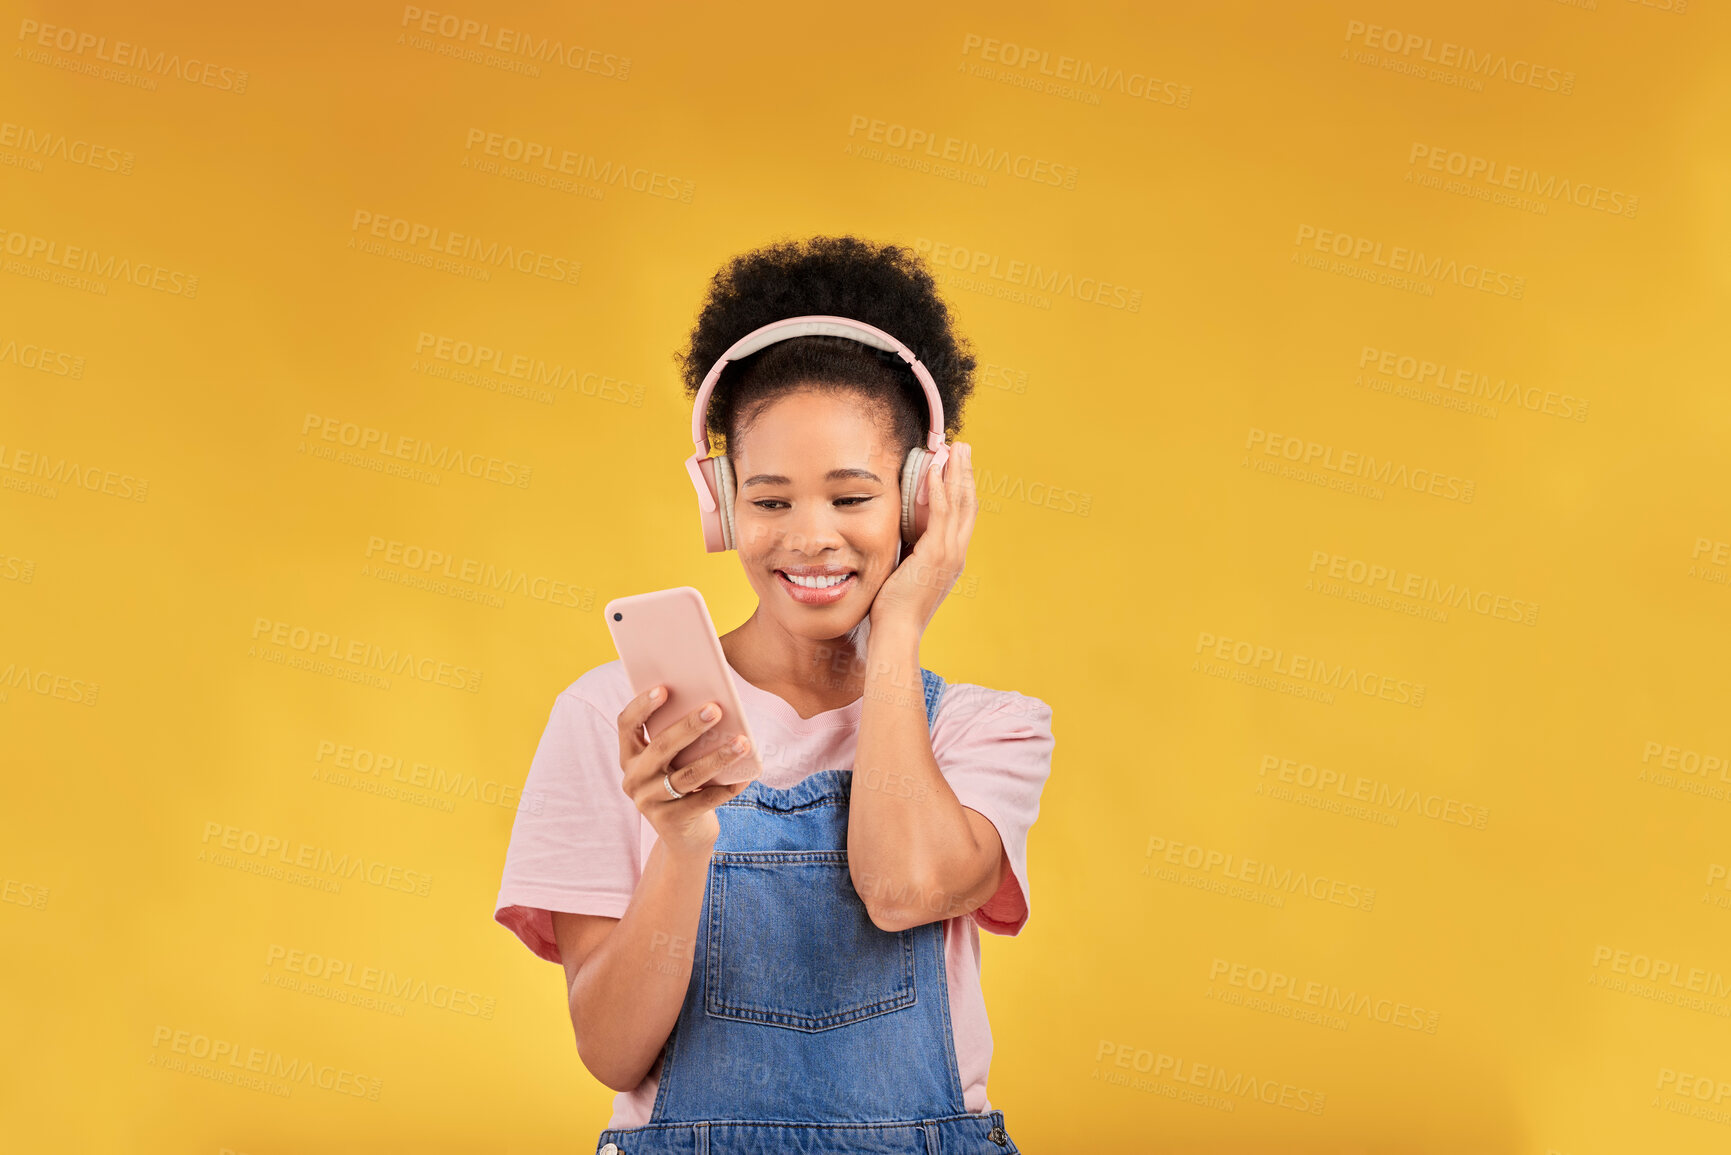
column 625, row 978
column 915, row 852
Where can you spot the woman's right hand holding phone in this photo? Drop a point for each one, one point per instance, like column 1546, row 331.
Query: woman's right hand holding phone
column 626, row 977
column 687, row 824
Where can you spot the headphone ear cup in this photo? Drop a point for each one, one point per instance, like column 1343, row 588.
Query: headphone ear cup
column 724, row 498
column 913, row 514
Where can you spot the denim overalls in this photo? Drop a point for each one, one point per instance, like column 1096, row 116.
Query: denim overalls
column 805, row 1028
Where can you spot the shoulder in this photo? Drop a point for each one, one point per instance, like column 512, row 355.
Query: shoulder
column 967, row 709
column 606, row 688
column 995, row 749
column 966, row 699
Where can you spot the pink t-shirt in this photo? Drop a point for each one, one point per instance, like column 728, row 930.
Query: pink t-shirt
column 584, row 847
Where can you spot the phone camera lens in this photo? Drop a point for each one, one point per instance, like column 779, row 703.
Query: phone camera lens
column 617, row 616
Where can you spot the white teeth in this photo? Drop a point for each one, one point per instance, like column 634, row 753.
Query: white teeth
column 816, row 583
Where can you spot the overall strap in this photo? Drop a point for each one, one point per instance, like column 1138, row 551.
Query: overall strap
column 934, row 685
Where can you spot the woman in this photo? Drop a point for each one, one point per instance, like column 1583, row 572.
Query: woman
column 793, row 963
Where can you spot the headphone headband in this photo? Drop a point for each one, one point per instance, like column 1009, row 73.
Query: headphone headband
column 815, row 325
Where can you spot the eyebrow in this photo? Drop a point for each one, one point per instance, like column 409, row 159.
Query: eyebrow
column 832, row 475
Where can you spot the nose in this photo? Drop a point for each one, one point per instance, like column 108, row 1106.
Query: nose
column 812, row 531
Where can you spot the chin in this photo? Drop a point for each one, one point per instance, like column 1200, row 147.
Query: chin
column 832, row 632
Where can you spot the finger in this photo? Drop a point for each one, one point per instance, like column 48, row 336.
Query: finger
column 700, row 799
column 633, row 717
column 937, row 494
column 965, row 487
column 696, row 776
column 666, row 745
column 967, row 497
column 944, row 524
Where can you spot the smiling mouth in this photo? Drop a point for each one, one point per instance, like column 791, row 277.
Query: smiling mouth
column 817, row 589
column 816, row 581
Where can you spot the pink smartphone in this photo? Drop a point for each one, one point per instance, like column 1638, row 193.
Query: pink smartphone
column 666, row 638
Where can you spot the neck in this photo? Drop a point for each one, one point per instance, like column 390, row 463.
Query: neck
column 765, row 654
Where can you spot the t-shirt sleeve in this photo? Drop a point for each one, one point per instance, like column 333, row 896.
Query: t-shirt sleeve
column 997, row 763
column 575, row 840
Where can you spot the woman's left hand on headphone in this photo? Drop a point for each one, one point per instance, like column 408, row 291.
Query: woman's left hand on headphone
column 911, row 594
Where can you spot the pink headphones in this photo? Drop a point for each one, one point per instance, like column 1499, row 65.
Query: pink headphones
column 712, row 476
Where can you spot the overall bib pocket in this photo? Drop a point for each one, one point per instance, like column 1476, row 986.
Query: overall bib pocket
column 791, row 945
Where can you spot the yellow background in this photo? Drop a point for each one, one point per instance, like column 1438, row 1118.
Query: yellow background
column 123, row 920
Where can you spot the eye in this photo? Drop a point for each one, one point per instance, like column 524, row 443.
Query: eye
column 771, row 503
